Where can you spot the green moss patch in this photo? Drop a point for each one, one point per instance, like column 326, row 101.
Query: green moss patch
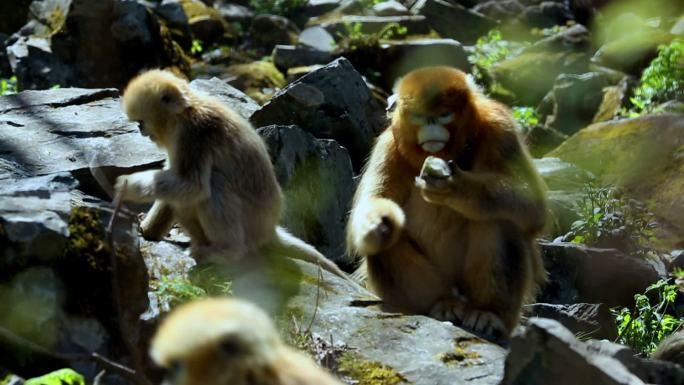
column 368, row 372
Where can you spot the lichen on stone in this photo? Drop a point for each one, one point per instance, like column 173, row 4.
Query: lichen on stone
column 366, row 372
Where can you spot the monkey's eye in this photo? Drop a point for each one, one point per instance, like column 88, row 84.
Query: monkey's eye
column 445, row 118
column 418, row 119
column 230, row 348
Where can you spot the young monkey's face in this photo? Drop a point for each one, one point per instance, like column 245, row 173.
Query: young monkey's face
column 152, row 100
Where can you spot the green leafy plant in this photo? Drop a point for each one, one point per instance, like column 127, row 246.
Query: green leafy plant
column 8, row 86
column 609, row 219
column 175, row 291
column 490, row 50
column 527, row 117
column 58, row 377
column 285, row 8
column 662, row 80
column 196, row 47
column 352, row 38
column 643, row 327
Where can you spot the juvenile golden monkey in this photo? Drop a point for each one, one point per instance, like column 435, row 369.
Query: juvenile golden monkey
column 218, row 182
column 449, row 206
column 226, row 341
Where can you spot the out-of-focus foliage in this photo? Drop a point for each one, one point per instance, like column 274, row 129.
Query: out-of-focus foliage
column 490, row 50
column 58, row 377
column 643, row 327
column 556, row 29
column 607, row 216
column 353, row 39
column 662, row 80
column 202, row 282
column 527, row 117
column 8, row 86
column 196, row 47
column 278, row 7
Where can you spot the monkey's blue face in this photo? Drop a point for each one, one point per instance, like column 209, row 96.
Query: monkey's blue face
column 432, row 136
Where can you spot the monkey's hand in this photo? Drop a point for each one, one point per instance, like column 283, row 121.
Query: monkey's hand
column 377, row 226
column 136, row 187
column 439, row 181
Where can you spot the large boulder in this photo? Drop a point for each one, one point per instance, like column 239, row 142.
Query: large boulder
column 331, row 102
column 544, row 352
column 640, row 155
column 532, row 74
column 576, row 99
column 57, row 46
column 75, row 130
column 368, row 346
column 592, row 320
column 454, row 21
column 317, row 179
column 582, row 274
column 68, row 283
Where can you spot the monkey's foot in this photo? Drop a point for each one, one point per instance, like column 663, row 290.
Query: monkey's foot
column 460, row 312
column 485, row 322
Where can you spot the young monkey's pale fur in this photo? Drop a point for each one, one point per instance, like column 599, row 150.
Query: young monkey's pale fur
column 452, row 240
column 218, row 182
column 226, row 341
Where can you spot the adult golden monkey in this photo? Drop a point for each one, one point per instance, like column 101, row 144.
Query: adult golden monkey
column 449, row 206
column 218, row 182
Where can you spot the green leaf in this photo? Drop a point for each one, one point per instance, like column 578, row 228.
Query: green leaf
column 60, row 377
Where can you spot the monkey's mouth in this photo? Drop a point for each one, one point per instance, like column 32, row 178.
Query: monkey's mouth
column 433, row 137
column 433, row 146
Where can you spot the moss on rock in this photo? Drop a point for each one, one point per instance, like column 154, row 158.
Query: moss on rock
column 368, row 372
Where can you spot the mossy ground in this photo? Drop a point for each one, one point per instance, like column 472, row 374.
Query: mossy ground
column 366, row 372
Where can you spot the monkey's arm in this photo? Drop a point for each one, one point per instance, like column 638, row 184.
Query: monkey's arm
column 376, row 219
column 157, row 222
column 515, row 193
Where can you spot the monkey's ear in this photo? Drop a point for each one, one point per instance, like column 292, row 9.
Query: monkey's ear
column 173, row 99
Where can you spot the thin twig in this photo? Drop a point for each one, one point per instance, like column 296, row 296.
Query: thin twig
column 118, row 200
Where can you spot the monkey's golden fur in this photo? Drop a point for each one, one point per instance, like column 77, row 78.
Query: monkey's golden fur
column 459, row 248
column 218, row 182
column 226, row 341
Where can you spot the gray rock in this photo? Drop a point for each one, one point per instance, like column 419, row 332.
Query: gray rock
column 57, row 257
column 71, row 129
column 541, row 139
column 289, row 56
column 560, row 175
column 317, row 38
column 413, row 349
column 5, row 68
column 320, row 7
column 332, row 102
column 546, row 14
column 453, row 20
column 390, row 8
column 195, row 20
column 577, row 99
column 613, row 99
column 531, row 75
column 544, row 352
column 414, row 24
column 582, row 274
column 269, row 30
column 592, row 320
column 34, row 216
column 651, row 371
column 231, row 96
column 316, row 176
column 575, row 38
column 500, row 9
column 57, row 46
column 235, row 13
column 400, row 57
